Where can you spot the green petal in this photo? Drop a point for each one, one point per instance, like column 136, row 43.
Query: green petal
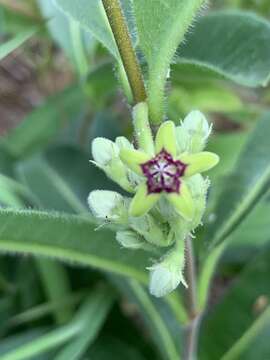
column 183, row 202
column 142, row 201
column 166, row 138
column 200, row 162
column 133, row 159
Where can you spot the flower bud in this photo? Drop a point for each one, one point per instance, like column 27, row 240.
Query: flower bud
column 168, row 274
column 193, row 132
column 103, row 151
column 129, row 239
column 198, row 187
column 123, row 143
column 106, row 156
column 107, row 205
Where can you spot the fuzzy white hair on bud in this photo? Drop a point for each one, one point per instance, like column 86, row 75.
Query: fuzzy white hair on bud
column 164, row 279
column 195, row 122
column 104, row 150
column 103, row 202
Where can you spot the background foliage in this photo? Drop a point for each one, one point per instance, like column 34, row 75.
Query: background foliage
column 66, row 290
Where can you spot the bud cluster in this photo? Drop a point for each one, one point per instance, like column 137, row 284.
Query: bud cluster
column 170, row 192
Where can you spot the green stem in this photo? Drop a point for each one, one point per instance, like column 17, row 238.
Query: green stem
column 123, row 40
column 193, row 327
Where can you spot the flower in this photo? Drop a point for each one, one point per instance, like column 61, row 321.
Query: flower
column 164, row 172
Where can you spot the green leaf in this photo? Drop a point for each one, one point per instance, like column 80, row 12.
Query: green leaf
column 161, row 28
column 42, row 310
column 96, row 312
column 68, row 35
column 41, row 126
column 89, row 317
column 12, row 44
column 68, row 238
column 55, row 186
column 241, row 52
column 248, row 182
column 11, row 192
column 253, row 232
column 91, row 16
column 158, row 316
column 242, row 318
column 56, row 285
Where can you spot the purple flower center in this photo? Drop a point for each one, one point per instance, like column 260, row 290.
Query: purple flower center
column 163, row 173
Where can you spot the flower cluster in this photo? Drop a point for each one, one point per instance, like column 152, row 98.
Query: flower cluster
column 170, row 192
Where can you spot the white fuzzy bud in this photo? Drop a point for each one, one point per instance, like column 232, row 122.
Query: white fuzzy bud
column 104, row 150
column 104, row 204
column 166, row 275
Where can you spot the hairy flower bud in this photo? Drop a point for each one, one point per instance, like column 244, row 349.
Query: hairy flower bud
column 193, row 132
column 166, row 275
column 108, row 205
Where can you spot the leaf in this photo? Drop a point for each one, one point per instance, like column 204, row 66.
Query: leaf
column 55, row 185
column 56, row 285
column 158, row 316
column 91, row 16
column 161, row 28
column 253, row 232
column 245, row 304
column 91, row 315
column 41, row 126
column 241, row 52
column 248, row 182
column 12, row 44
column 11, row 192
column 97, row 311
column 68, row 35
column 68, row 238
column 42, row 310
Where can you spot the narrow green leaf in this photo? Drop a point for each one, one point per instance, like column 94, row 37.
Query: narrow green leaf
column 246, row 304
column 12, row 44
column 69, row 36
column 97, row 312
column 158, row 316
column 56, row 286
column 91, row 16
column 248, row 182
column 93, row 310
column 45, row 309
column 68, row 238
column 241, row 52
column 258, row 328
column 55, row 186
column 161, row 28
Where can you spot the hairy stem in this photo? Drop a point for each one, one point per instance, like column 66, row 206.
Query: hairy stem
column 191, row 301
column 123, row 40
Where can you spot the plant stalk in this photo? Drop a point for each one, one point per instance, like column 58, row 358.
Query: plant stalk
column 191, row 302
column 123, row 40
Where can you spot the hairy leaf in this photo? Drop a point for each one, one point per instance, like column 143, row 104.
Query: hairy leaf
column 241, row 50
column 67, row 238
column 161, row 28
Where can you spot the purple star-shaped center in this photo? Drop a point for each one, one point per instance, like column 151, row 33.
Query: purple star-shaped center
column 163, row 173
